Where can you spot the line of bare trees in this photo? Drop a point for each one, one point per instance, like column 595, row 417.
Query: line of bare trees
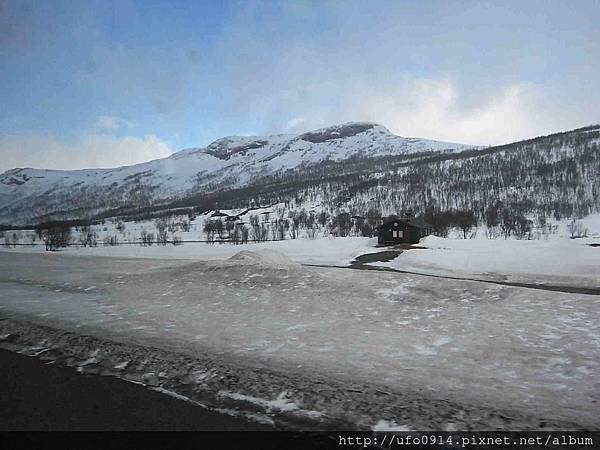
column 237, row 233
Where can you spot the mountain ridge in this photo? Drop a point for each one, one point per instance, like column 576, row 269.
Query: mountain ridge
column 352, row 167
column 233, row 162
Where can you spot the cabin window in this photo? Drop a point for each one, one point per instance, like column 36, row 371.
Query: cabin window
column 397, row 233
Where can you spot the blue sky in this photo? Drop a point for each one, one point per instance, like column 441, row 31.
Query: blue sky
column 98, row 84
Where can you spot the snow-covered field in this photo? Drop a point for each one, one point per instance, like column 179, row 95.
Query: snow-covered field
column 554, row 261
column 558, row 261
column 329, row 251
column 529, row 353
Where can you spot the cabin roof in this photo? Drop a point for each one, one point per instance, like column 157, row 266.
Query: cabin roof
column 411, row 221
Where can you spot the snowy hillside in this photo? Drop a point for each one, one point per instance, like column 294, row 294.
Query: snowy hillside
column 30, row 195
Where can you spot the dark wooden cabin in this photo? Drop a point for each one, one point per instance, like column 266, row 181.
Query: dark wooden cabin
column 407, row 230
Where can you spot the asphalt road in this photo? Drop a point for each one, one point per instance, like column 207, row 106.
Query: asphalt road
column 47, row 397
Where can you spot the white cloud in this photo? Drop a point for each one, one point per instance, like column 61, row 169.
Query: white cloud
column 435, row 109
column 112, row 123
column 86, row 151
column 297, row 123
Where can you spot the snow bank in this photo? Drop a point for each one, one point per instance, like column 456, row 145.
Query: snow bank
column 264, row 258
column 389, row 425
column 281, row 403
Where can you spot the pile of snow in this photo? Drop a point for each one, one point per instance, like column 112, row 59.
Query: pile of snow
column 282, row 404
column 389, row 425
column 263, row 258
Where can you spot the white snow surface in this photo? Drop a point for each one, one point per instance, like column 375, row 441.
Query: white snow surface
column 389, row 425
column 327, row 251
column 280, row 404
column 553, row 261
column 515, row 348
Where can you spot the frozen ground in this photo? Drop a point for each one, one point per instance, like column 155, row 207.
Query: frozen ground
column 526, row 352
column 558, row 261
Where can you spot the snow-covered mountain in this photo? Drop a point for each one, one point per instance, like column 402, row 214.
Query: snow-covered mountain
column 30, row 195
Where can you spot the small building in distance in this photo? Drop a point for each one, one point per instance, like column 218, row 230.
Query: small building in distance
column 405, row 230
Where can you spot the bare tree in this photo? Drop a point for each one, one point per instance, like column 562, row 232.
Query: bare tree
column 523, row 228
column 146, row 238
column 576, row 229
column 229, row 227
column 508, row 223
column 56, row 236
column 12, row 239
column 161, row 231
column 281, row 223
column 110, row 240
column 263, row 232
column 120, row 227
column 293, row 230
column 218, row 224
column 322, row 218
column 465, row 220
column 366, row 230
column 343, row 224
column 492, row 220
column 87, row 236
column 373, row 217
column 209, row 230
column 273, row 228
column 255, row 225
column 236, row 234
